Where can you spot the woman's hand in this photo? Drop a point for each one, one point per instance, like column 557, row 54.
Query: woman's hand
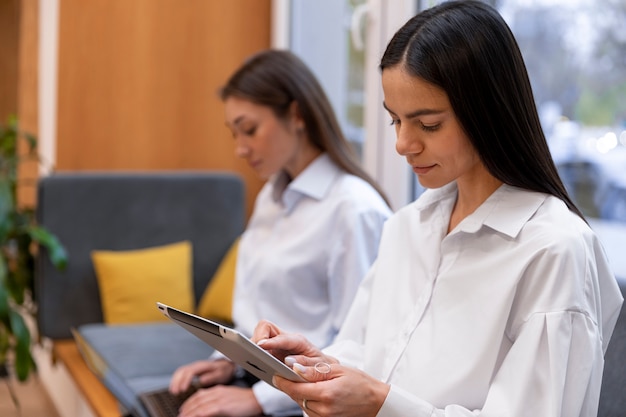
column 207, row 372
column 287, row 347
column 335, row 390
column 221, row 400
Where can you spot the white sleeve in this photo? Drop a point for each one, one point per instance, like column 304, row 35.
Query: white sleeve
column 274, row 402
column 535, row 378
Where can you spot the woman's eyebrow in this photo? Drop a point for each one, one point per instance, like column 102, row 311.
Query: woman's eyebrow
column 238, row 120
column 416, row 113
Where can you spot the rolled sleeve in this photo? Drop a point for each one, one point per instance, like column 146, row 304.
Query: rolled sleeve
column 275, row 402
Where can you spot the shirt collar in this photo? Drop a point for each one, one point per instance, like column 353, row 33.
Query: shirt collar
column 313, row 182
column 506, row 210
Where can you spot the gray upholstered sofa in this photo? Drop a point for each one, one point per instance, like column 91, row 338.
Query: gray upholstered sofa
column 125, row 211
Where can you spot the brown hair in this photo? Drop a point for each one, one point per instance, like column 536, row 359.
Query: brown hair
column 277, row 78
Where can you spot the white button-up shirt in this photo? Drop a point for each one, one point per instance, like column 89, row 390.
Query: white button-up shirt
column 508, row 315
column 308, row 245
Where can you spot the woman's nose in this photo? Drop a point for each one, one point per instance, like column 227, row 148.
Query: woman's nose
column 241, row 149
column 407, row 143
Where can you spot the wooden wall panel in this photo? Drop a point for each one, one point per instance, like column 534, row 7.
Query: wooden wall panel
column 138, row 80
column 9, row 41
column 27, row 98
column 18, row 82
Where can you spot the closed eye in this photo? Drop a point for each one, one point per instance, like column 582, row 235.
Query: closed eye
column 430, row 128
column 423, row 126
column 250, row 132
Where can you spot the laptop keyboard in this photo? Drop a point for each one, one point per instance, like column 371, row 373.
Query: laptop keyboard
column 162, row 403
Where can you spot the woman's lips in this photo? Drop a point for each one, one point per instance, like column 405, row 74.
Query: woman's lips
column 421, row 170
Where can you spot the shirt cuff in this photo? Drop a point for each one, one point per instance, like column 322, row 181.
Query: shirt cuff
column 274, row 402
column 400, row 403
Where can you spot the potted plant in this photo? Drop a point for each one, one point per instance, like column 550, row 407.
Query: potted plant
column 20, row 237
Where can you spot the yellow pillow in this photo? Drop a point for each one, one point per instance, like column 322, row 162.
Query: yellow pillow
column 131, row 282
column 217, row 301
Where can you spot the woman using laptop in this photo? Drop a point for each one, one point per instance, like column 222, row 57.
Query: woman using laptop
column 490, row 295
column 313, row 233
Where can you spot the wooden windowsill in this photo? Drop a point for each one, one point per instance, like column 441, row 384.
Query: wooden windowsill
column 102, row 402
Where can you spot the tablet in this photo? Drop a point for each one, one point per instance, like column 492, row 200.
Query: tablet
column 233, row 345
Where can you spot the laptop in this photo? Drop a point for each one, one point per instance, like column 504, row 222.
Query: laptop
column 162, row 403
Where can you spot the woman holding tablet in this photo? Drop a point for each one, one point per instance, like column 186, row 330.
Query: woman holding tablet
column 490, row 294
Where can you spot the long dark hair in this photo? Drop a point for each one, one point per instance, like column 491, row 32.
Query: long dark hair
column 277, row 78
column 467, row 49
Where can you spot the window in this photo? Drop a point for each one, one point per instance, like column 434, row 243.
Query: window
column 342, row 41
column 575, row 53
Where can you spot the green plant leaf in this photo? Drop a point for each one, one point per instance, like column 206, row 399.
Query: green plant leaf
column 22, row 271
column 12, row 121
column 56, row 251
column 8, row 142
column 23, row 358
column 4, row 291
column 32, row 142
column 18, row 231
column 6, row 207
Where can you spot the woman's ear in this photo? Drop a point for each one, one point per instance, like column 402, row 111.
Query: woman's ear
column 295, row 117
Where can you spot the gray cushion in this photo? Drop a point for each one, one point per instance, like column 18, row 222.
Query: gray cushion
column 122, row 211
